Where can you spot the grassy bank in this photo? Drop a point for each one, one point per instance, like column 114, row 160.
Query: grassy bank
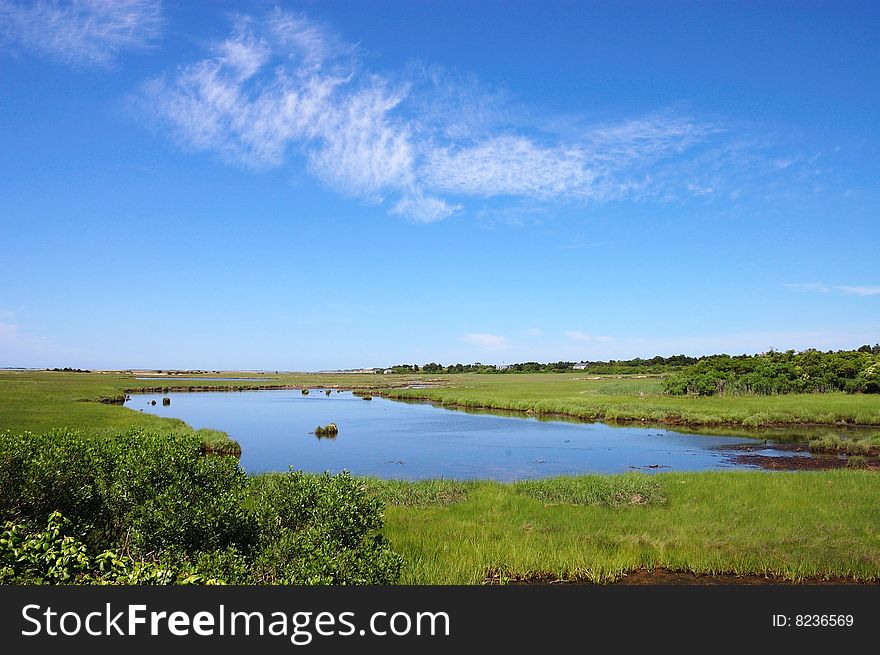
column 40, row 401
column 641, row 399
column 804, row 525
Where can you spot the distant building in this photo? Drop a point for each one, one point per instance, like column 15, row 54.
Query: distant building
column 580, row 366
column 387, row 371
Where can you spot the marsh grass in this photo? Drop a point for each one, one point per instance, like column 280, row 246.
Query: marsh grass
column 218, row 442
column 857, row 461
column 598, row 490
column 794, row 525
column 628, row 399
column 835, row 444
column 419, row 493
column 329, row 430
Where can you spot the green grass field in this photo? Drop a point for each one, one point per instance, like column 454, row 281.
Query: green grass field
column 794, row 525
column 640, row 399
column 592, row 528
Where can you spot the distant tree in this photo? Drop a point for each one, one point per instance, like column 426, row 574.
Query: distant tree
column 810, row 371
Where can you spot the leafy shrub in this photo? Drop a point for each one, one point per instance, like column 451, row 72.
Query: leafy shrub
column 809, row 371
column 156, row 499
column 320, row 529
column 52, row 556
column 152, row 492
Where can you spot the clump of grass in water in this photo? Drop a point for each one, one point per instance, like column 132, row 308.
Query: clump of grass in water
column 856, row 462
column 329, row 430
column 217, row 442
column 421, row 493
column 835, row 444
column 631, row 489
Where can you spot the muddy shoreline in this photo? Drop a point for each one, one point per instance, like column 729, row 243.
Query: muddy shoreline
column 663, row 576
column 815, row 461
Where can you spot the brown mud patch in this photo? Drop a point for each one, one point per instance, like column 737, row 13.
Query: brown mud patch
column 812, row 461
column 662, row 576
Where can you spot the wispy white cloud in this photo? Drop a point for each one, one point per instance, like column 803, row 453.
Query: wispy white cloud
column 578, row 336
column 80, row 32
column 286, row 86
column 859, row 291
column 424, row 208
column 821, row 287
column 809, row 286
column 421, row 142
column 486, row 341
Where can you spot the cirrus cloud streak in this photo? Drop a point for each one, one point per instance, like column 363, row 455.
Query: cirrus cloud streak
column 87, row 33
column 283, row 88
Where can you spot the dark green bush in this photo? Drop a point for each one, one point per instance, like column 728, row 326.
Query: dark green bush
column 156, row 500
column 809, row 371
column 151, row 492
column 320, row 529
column 52, row 556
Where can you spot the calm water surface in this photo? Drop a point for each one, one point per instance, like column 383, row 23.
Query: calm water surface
column 177, row 377
column 391, row 439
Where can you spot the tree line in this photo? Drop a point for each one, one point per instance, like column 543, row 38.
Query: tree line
column 774, row 372
column 809, row 371
column 656, row 364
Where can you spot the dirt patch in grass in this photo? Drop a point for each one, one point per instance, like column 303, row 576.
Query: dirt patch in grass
column 661, row 576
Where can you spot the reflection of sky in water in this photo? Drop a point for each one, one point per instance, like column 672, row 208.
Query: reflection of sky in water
column 177, row 378
column 417, row 440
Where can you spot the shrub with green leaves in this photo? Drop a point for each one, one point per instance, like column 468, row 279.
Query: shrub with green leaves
column 145, row 499
column 151, row 492
column 52, row 556
column 810, row 371
column 320, row 529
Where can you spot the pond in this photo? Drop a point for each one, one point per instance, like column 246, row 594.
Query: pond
column 177, row 378
column 407, row 440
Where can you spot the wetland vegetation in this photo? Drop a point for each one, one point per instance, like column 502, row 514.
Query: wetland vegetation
column 116, row 477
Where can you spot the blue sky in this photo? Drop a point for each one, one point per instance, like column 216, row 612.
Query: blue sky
column 311, row 185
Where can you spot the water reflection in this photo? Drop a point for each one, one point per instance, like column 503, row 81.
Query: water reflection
column 412, row 440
